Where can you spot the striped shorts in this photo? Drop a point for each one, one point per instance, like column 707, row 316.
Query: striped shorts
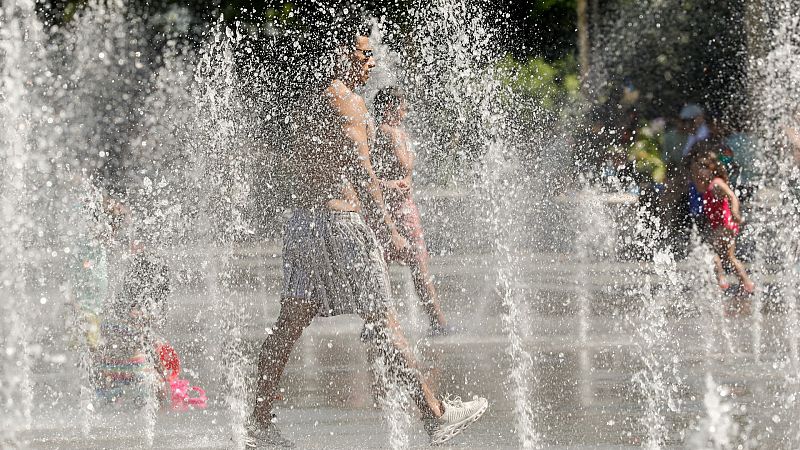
column 334, row 259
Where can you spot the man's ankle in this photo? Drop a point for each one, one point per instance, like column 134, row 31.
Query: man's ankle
column 262, row 418
column 439, row 412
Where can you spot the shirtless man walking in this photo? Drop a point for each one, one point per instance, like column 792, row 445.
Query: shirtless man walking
column 333, row 263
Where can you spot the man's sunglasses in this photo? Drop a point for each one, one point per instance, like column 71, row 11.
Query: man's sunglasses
column 367, row 53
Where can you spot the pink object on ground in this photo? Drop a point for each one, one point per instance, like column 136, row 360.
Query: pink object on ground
column 179, row 390
column 180, row 400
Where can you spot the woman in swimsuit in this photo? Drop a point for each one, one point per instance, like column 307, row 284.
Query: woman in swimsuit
column 393, row 161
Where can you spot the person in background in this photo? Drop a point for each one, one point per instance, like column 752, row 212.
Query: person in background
column 744, row 155
column 673, row 202
column 100, row 218
column 673, row 141
column 722, row 212
column 126, row 354
column 393, row 160
column 792, row 132
column 698, row 130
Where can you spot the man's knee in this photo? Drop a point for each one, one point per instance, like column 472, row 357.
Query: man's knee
column 296, row 314
column 375, row 326
column 299, row 307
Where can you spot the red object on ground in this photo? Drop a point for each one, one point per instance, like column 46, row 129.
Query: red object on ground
column 179, row 390
column 180, row 398
column 170, row 360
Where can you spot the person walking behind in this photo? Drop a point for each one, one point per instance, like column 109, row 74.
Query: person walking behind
column 393, row 160
column 721, row 209
column 694, row 117
column 332, row 261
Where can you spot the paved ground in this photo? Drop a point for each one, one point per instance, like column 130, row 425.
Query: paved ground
column 583, row 333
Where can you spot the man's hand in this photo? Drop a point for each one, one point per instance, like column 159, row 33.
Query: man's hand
column 397, row 185
column 399, row 243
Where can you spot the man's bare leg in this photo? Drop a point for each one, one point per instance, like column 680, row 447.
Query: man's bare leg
column 295, row 316
column 392, row 345
column 443, row 420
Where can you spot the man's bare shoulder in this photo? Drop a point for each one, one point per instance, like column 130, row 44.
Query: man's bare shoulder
column 336, row 90
column 346, row 102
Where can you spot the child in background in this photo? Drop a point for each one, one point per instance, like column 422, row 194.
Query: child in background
column 99, row 219
column 722, row 212
column 127, row 352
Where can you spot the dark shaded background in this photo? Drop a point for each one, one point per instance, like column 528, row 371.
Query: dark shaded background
column 697, row 54
column 540, row 28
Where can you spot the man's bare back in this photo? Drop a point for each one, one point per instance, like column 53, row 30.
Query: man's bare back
column 333, row 131
column 331, row 154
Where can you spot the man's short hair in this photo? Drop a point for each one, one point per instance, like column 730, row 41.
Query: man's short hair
column 348, row 29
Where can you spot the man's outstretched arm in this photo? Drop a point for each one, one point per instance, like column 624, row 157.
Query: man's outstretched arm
column 362, row 175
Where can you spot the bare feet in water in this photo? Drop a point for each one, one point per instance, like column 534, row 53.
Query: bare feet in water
column 723, row 283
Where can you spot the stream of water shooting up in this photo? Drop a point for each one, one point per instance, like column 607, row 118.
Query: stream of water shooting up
column 20, row 51
column 659, row 377
column 457, row 56
column 594, row 243
column 717, row 429
column 219, row 166
column 775, row 94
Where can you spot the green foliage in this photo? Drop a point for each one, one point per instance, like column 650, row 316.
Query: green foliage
column 646, row 157
column 282, row 13
column 71, row 8
column 551, row 84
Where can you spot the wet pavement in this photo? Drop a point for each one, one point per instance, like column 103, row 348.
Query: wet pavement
column 582, row 335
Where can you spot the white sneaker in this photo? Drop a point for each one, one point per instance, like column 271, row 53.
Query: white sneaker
column 456, row 418
column 264, row 436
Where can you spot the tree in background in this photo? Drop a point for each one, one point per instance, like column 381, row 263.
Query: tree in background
column 673, row 52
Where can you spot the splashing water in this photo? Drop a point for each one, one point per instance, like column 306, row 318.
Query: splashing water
column 20, row 49
column 660, row 376
column 718, row 430
column 595, row 240
column 393, row 400
column 515, row 318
